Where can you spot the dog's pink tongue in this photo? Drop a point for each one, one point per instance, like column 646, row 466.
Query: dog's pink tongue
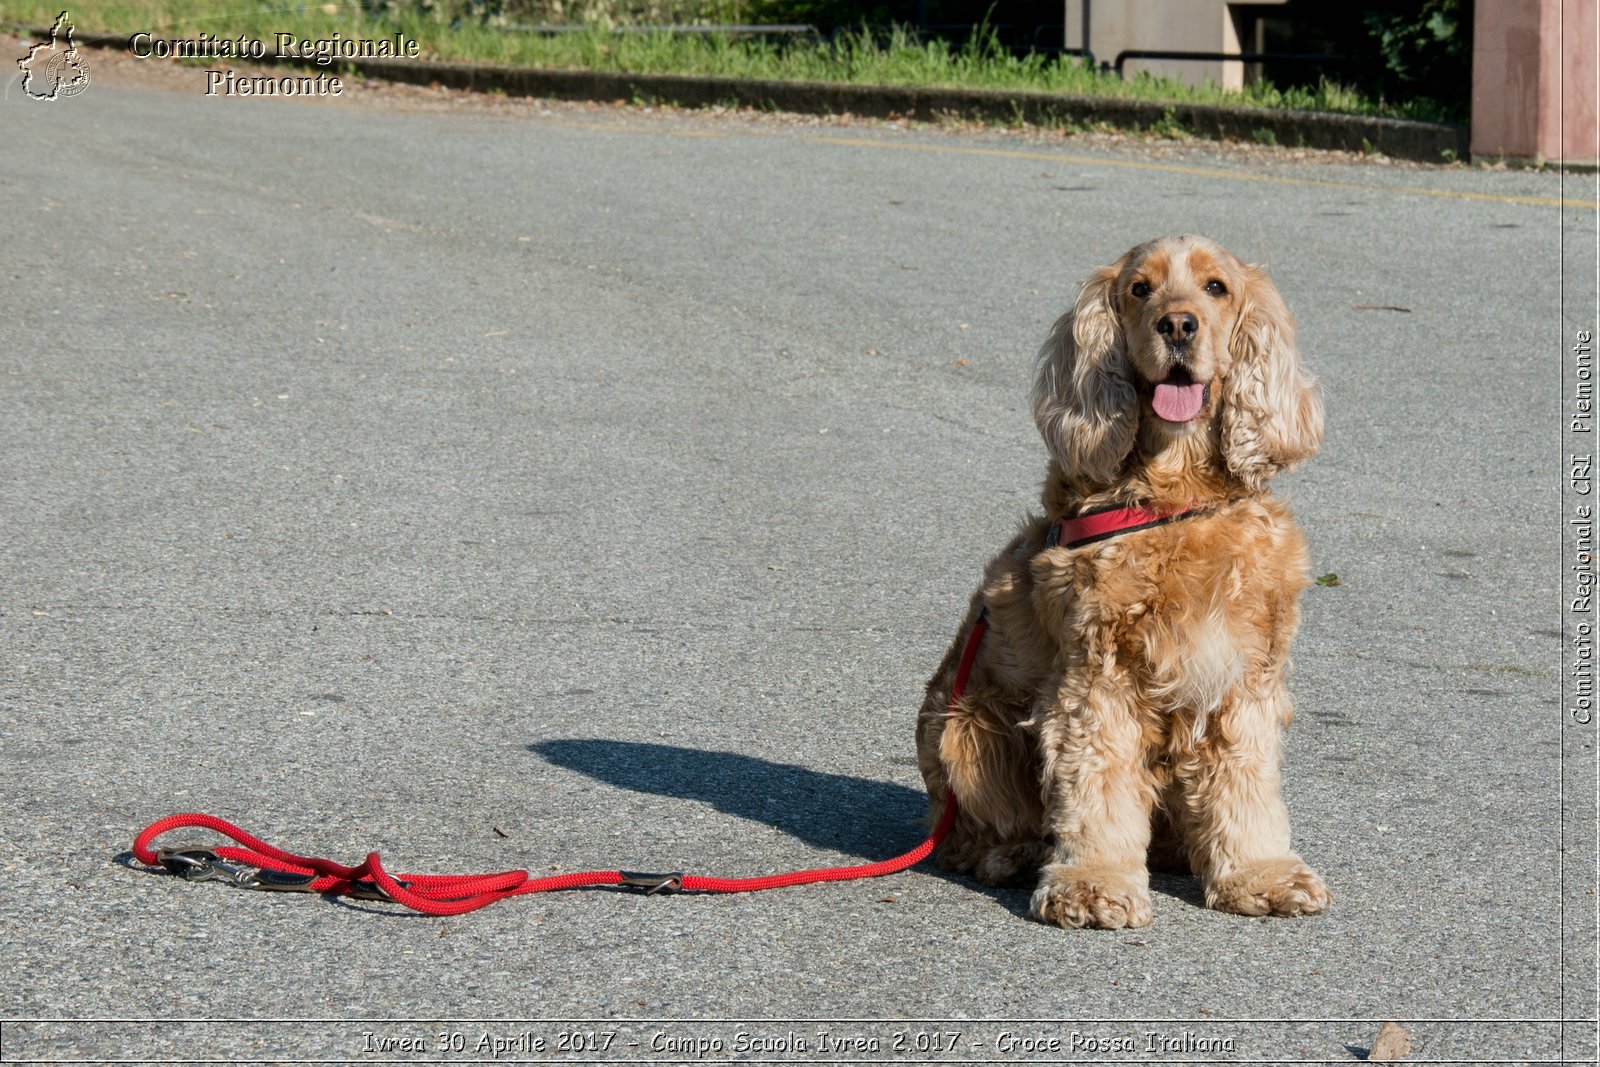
column 1179, row 403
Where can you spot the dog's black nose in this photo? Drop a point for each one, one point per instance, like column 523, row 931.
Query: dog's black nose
column 1178, row 327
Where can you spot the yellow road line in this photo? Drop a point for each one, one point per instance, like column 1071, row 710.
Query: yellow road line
column 1212, row 172
column 1136, row 164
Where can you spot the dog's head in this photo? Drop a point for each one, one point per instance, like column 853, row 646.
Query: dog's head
column 1177, row 338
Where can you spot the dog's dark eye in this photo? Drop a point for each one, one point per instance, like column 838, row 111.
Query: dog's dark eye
column 1140, row 290
column 1216, row 288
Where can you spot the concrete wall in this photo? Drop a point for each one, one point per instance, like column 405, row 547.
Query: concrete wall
column 1534, row 72
column 1178, row 25
column 1535, row 64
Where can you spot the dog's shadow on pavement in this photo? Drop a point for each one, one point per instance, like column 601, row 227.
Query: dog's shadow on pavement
column 861, row 817
column 857, row 816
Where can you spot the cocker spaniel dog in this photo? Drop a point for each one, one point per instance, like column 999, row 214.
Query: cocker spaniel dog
column 1124, row 703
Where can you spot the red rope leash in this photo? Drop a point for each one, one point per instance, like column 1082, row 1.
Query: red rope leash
column 256, row 864
column 431, row 894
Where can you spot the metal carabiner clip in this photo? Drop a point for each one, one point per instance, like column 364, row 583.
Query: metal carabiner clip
column 652, row 884
column 204, row 865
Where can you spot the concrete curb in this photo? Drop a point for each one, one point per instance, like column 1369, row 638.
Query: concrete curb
column 1424, row 142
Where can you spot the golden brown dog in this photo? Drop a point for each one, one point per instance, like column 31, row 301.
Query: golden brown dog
column 1126, row 704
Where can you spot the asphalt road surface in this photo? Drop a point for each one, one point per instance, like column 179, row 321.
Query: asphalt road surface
column 501, row 486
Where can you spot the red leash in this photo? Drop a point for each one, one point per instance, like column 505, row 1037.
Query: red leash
column 253, row 863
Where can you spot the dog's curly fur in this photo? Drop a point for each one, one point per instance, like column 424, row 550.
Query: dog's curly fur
column 1126, row 706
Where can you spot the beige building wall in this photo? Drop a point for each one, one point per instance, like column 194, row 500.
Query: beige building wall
column 1168, row 25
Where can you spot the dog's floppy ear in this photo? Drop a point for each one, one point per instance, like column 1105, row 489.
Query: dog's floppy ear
column 1272, row 409
column 1084, row 399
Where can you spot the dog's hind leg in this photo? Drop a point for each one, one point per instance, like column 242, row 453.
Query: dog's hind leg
column 979, row 749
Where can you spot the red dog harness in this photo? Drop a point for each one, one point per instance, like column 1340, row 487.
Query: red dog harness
column 1102, row 523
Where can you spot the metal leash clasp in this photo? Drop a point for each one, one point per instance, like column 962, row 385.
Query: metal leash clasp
column 204, row 865
column 652, row 884
column 199, row 864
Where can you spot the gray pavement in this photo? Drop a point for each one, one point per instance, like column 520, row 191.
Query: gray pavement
column 511, row 487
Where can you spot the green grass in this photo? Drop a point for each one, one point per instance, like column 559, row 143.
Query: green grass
column 859, row 58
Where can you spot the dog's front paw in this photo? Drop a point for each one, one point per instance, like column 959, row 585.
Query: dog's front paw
column 1270, row 887
column 1083, row 896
